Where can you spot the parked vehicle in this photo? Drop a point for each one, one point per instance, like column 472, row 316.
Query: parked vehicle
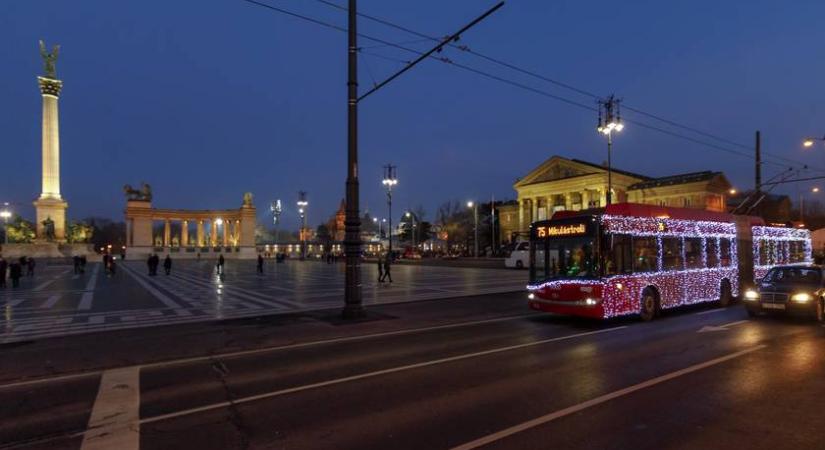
column 519, row 256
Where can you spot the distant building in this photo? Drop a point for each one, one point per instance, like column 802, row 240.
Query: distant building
column 560, row 184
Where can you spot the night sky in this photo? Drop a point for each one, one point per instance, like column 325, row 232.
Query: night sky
column 206, row 100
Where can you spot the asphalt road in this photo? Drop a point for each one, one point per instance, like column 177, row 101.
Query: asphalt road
column 478, row 372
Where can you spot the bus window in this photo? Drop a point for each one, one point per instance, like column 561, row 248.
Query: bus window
column 618, row 259
column 796, row 251
column 712, row 251
column 767, row 252
column 693, row 253
column 645, row 253
column 724, row 250
column 672, row 253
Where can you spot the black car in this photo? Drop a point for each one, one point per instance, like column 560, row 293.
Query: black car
column 797, row 289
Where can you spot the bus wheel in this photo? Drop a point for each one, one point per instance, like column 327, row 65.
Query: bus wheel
column 648, row 308
column 725, row 295
column 519, row 264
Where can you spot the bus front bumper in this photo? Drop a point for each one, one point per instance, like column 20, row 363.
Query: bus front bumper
column 580, row 308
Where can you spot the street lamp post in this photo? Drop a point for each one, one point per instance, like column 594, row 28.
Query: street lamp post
column 302, row 211
column 810, row 141
column 276, row 209
column 609, row 121
column 6, row 215
column 473, row 205
column 389, row 181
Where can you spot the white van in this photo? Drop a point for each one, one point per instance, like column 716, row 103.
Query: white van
column 519, row 257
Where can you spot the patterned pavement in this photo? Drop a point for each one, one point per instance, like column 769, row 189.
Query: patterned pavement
column 56, row 302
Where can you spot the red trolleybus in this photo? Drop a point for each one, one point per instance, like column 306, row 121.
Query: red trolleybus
column 639, row 259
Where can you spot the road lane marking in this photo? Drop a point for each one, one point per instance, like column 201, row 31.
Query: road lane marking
column 268, row 349
column 710, row 311
column 373, row 374
column 490, row 438
column 709, row 328
column 114, row 423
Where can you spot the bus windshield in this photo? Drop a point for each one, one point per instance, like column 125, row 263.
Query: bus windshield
column 563, row 250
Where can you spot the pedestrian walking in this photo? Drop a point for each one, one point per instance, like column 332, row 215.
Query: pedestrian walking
column 387, row 264
column 220, row 264
column 76, row 264
column 149, row 261
column 83, row 264
column 15, row 271
column 380, row 268
column 155, row 264
column 199, row 256
column 167, row 265
column 260, row 265
column 30, row 267
column 3, row 267
column 112, row 266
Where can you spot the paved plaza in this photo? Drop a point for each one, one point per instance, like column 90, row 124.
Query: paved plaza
column 58, row 302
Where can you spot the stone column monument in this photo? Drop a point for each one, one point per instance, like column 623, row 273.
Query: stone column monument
column 50, row 206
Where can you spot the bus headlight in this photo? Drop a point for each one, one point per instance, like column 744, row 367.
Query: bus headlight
column 751, row 295
column 590, row 301
column 531, row 296
column 802, row 297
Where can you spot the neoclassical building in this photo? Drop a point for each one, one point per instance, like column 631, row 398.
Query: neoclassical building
column 560, row 184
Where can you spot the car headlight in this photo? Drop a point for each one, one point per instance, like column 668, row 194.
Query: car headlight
column 531, row 296
column 750, row 294
column 802, row 297
column 591, row 301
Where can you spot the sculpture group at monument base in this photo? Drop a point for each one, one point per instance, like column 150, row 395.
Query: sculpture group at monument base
column 46, row 250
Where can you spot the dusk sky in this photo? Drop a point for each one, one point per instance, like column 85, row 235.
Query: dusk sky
column 207, row 100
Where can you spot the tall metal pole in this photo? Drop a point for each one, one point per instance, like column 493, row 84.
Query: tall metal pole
column 389, row 219
column 492, row 224
column 353, row 307
column 609, row 169
column 475, row 220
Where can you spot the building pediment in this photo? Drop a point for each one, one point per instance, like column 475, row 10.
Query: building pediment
column 557, row 168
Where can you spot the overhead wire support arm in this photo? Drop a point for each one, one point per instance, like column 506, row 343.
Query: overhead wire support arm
column 425, row 55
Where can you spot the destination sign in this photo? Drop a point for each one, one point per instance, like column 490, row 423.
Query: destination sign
column 561, row 230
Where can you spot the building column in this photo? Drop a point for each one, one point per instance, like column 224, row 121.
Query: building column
column 200, row 233
column 129, row 235
column 520, row 215
column 602, row 197
column 184, row 233
column 568, row 201
column 213, row 233
column 534, row 209
column 167, row 233
column 237, row 232
column 585, row 194
column 226, row 224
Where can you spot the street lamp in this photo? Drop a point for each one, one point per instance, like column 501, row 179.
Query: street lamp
column 810, row 141
column 732, row 191
column 6, row 215
column 389, row 181
column 302, row 211
column 610, row 120
column 473, row 205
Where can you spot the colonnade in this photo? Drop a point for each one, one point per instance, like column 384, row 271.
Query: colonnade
column 542, row 207
column 224, row 232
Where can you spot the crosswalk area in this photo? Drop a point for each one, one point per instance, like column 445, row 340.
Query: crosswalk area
column 58, row 302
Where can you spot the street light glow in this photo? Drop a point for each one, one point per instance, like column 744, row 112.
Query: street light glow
column 732, row 191
column 5, row 214
column 816, row 189
column 808, row 143
column 470, row 204
column 219, row 221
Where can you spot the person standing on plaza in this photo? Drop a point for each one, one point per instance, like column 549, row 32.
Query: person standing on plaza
column 30, row 267
column 76, row 264
column 167, row 265
column 3, row 267
column 155, row 264
column 220, row 264
column 380, row 268
column 83, row 264
column 15, row 271
column 260, row 265
column 149, row 262
column 387, row 264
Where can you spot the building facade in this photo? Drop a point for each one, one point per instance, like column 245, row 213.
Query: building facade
column 562, row 184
